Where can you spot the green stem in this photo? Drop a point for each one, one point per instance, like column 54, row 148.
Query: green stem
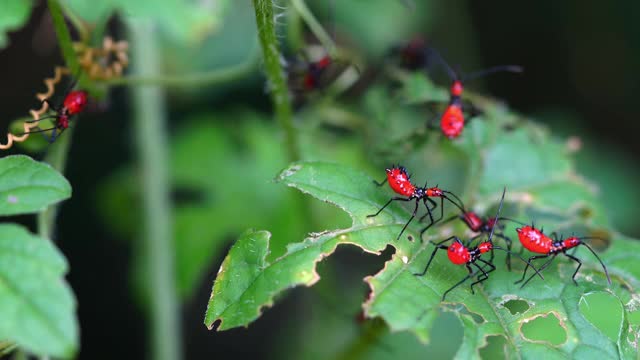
column 64, row 38
column 314, row 26
column 216, row 77
column 57, row 158
column 150, row 121
column 57, row 155
column 275, row 74
column 295, row 39
column 77, row 22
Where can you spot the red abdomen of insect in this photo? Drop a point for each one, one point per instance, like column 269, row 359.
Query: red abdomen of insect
column 534, row 240
column 571, row 242
column 323, row 63
column 399, row 181
column 452, row 122
column 458, row 254
column 75, row 102
column 485, row 247
column 473, row 221
column 310, row 82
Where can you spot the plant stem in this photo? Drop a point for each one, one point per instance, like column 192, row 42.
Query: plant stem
column 57, row 158
column 265, row 19
column 77, row 22
column 217, row 76
column 57, row 155
column 64, row 37
column 314, row 26
column 150, row 117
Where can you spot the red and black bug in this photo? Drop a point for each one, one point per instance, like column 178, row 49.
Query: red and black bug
column 481, row 225
column 452, row 120
column 307, row 76
column 400, row 182
column 461, row 253
column 74, row 103
column 413, row 55
column 536, row 241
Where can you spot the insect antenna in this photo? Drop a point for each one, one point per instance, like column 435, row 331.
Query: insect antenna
column 596, row 255
column 491, row 70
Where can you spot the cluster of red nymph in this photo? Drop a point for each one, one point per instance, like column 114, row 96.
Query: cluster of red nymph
column 470, row 252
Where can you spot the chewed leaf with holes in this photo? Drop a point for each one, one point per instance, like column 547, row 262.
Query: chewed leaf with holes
column 37, row 306
column 28, row 186
column 247, row 282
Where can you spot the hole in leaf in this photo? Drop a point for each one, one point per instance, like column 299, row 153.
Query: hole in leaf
column 461, row 309
column 544, row 328
column 634, row 316
column 603, row 311
column 446, row 336
column 516, row 306
column 496, row 348
column 410, row 238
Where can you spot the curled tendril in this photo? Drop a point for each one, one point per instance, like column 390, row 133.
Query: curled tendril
column 103, row 63
column 50, row 83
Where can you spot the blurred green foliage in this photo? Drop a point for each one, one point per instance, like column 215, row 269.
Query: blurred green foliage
column 13, row 14
column 37, row 306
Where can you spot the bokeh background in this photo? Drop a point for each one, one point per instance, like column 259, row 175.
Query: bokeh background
column 581, row 78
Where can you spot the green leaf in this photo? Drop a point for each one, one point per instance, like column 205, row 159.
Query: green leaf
column 28, row 186
column 407, row 302
column 13, row 15
column 183, row 20
column 37, row 306
column 204, row 174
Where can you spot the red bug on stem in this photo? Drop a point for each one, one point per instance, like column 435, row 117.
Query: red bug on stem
column 536, row 241
column 460, row 253
column 452, row 121
column 74, row 103
column 413, row 55
column 400, row 182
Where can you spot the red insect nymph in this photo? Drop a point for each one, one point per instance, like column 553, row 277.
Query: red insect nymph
column 536, row 241
column 460, row 253
column 314, row 71
column 74, row 103
column 452, row 121
column 400, row 182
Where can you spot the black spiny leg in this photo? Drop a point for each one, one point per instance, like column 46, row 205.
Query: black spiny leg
column 544, row 266
column 508, row 242
column 415, row 210
column 439, row 246
column 524, row 273
column 471, row 274
column 429, row 213
column 381, row 182
column 485, row 274
column 578, row 268
column 387, row 204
